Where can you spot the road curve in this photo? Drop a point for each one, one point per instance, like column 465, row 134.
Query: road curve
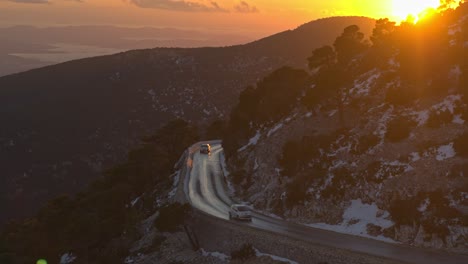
column 206, row 190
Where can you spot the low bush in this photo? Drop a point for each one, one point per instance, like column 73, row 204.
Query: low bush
column 401, row 96
column 405, row 211
column 238, row 176
column 399, row 128
column 440, row 205
column 461, row 145
column 435, row 217
column 459, row 170
column 425, row 145
column 437, row 118
column 365, row 143
column 433, row 227
column 215, row 130
column 297, row 155
column 342, row 178
column 172, row 217
column 371, row 171
column 291, row 158
column 296, row 191
column 332, row 191
column 246, row 252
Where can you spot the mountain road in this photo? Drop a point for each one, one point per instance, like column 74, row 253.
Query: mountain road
column 206, row 189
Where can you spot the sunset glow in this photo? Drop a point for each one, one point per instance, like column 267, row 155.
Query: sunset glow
column 413, row 8
column 248, row 17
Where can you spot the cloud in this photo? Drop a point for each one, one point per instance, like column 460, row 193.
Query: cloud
column 180, row 5
column 30, row 1
column 37, row 1
column 244, row 7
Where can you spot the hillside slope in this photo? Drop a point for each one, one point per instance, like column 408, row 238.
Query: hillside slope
column 64, row 124
column 375, row 145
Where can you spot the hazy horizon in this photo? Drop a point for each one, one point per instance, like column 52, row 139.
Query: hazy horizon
column 254, row 16
column 26, row 47
column 42, row 32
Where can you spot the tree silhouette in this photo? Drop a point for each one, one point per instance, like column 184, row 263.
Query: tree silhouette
column 333, row 68
column 349, row 44
column 324, row 56
column 383, row 38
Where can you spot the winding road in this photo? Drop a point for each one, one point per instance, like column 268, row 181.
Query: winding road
column 206, row 190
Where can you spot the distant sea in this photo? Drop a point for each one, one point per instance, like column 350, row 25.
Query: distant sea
column 65, row 52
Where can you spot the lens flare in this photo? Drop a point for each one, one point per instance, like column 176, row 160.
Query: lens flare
column 416, row 9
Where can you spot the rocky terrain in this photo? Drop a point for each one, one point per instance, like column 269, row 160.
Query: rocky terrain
column 383, row 157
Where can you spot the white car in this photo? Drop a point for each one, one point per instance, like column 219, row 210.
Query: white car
column 241, row 212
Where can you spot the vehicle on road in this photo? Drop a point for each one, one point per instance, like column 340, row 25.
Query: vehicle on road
column 205, row 148
column 241, row 212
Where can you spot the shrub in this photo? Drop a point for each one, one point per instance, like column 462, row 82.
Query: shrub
column 438, row 86
column 460, row 170
column 333, row 191
column 425, row 145
column 343, row 177
column 297, row 191
column 399, row 128
column 172, row 217
column 433, row 227
column 436, row 118
column 365, row 143
column 461, row 145
column 401, row 96
column 244, row 253
column 440, row 205
column 371, row 171
column 215, row 130
column 405, row 212
column 291, row 157
column 297, row 155
column 238, row 176
column 337, row 188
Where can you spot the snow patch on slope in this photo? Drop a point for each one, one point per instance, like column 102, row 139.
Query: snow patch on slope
column 217, row 255
column 415, row 156
column 277, row 258
column 448, row 104
column 363, row 85
column 382, row 127
column 67, row 258
column 253, row 141
column 457, row 119
column 274, row 129
column 421, row 117
column 356, row 218
column 134, row 201
column 445, row 152
column 423, row 207
column 174, row 184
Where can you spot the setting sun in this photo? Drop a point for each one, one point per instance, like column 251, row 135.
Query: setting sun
column 413, row 8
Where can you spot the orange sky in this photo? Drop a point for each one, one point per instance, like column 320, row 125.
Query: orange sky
column 251, row 17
